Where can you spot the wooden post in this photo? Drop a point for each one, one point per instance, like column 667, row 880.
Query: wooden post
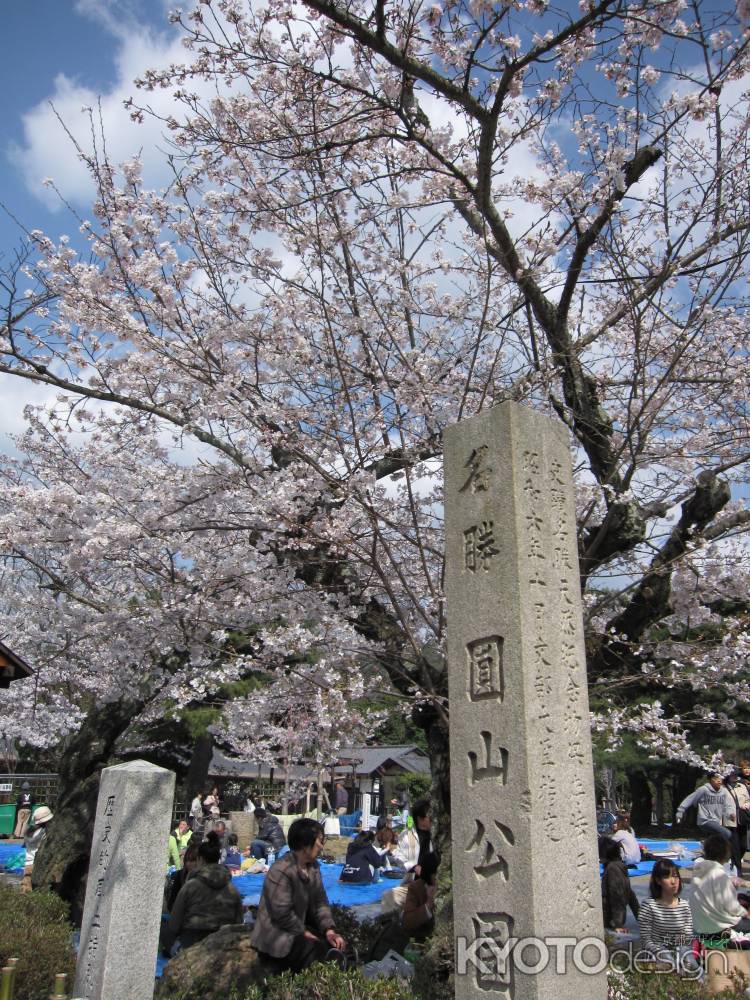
column 319, row 803
column 7, row 977
column 61, row 983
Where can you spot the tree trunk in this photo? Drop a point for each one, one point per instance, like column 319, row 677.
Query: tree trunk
column 196, row 779
column 659, row 799
column 435, row 973
column 62, row 861
column 640, row 790
column 608, row 783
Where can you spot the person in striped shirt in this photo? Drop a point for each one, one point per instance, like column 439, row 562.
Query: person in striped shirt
column 665, row 920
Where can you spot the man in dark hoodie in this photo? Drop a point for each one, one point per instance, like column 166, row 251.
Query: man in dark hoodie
column 206, row 902
column 270, row 836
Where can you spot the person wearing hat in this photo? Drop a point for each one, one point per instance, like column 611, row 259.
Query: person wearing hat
column 35, row 834
column 24, row 805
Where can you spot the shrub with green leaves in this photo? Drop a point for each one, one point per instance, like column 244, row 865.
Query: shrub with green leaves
column 360, row 935
column 34, row 929
column 668, row 986
column 328, row 982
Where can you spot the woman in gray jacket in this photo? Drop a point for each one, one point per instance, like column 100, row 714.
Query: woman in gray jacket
column 295, row 925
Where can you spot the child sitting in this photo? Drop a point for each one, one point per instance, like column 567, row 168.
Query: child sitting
column 233, row 858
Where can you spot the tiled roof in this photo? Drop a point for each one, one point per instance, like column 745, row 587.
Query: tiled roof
column 366, row 761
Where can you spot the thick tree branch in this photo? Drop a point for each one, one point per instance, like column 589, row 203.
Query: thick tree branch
column 651, row 600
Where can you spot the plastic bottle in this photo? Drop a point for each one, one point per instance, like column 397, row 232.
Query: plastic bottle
column 270, row 858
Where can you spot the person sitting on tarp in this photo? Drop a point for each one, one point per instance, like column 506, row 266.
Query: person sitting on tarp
column 617, row 892
column 179, row 838
column 714, row 904
column 386, row 844
column 629, row 847
column 179, row 878
column 206, row 902
column 362, row 860
column 270, row 835
column 295, row 927
column 232, row 855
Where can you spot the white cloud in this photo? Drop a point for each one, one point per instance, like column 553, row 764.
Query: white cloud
column 15, row 394
column 46, row 151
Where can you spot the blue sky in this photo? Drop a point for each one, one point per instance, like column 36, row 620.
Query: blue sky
column 72, row 53
column 69, row 52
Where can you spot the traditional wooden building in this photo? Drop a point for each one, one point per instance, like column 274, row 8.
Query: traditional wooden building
column 12, row 667
column 373, row 770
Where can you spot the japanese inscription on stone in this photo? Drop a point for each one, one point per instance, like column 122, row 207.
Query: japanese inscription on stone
column 521, row 772
column 117, row 954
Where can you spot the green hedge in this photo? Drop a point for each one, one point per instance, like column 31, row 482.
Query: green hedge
column 328, row 982
column 653, row 986
column 34, row 929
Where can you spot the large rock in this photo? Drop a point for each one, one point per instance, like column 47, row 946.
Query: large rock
column 213, row 968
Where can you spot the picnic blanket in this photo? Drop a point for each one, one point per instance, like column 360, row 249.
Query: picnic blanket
column 672, row 849
column 12, row 857
column 343, row 893
column 667, row 846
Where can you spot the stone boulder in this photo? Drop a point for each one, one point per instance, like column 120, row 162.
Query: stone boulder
column 212, row 969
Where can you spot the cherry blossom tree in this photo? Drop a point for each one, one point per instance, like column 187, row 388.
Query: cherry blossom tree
column 384, row 217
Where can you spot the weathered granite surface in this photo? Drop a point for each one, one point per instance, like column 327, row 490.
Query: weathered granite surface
column 522, row 796
column 125, row 889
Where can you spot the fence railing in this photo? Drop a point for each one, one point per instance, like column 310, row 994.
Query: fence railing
column 44, row 788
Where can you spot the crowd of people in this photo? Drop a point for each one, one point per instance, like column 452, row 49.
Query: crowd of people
column 667, row 920
column 294, row 926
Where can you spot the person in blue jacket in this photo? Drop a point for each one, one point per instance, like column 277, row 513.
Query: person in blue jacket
column 362, row 860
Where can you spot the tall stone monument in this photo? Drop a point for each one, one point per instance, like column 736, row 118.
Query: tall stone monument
column 522, row 798
column 125, row 889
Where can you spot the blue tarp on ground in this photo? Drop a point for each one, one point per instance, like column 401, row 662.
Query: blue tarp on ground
column 669, row 846
column 345, row 894
column 250, row 887
column 12, row 857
